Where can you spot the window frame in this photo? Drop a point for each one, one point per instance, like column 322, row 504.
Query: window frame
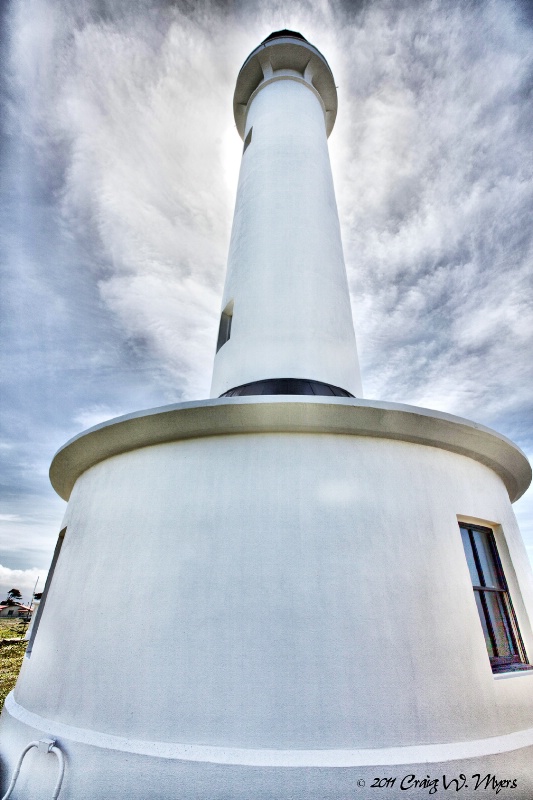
column 517, row 660
column 49, row 577
column 224, row 329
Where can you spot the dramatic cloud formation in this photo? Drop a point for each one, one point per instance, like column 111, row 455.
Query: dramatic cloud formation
column 119, row 165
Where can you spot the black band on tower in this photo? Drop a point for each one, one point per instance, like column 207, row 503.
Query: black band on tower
column 287, row 386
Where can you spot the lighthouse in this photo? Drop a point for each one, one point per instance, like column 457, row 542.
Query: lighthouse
column 351, row 599
column 286, row 308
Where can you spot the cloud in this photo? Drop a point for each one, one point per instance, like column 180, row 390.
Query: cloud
column 121, row 169
column 139, row 114
column 435, row 193
column 435, row 188
column 22, row 579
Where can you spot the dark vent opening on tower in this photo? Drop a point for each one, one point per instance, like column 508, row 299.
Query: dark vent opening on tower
column 224, row 330
column 247, row 140
column 287, row 386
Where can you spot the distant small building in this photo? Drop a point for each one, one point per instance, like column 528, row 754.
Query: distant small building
column 17, row 610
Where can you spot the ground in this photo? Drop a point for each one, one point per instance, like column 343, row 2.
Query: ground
column 11, row 654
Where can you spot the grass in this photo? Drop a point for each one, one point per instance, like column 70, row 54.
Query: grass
column 11, row 655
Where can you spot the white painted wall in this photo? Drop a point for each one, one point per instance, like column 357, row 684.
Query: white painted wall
column 345, row 619
column 286, row 275
column 322, row 614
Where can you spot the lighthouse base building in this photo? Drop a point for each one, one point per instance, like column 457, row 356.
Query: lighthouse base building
column 308, row 648
column 350, row 601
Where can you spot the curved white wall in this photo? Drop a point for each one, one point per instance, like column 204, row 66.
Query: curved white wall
column 286, row 275
column 321, row 622
column 344, row 620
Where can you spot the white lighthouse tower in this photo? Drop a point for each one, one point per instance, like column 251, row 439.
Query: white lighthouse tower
column 286, row 307
column 352, row 601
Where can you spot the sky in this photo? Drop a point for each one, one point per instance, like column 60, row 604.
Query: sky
column 119, row 162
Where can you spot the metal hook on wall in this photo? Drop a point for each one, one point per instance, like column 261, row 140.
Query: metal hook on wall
column 44, row 746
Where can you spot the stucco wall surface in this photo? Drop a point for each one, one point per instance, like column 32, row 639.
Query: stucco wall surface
column 345, row 619
column 95, row 773
column 321, row 628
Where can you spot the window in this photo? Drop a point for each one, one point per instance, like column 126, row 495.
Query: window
column 498, row 620
column 224, row 331
column 247, row 140
column 39, row 612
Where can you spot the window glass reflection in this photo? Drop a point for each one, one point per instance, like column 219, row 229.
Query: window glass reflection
column 500, row 629
column 500, row 626
column 476, row 580
column 482, row 617
column 486, row 559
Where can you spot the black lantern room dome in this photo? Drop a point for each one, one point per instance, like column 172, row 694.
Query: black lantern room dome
column 284, row 33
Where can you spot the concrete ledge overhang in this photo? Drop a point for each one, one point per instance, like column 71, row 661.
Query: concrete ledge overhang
column 290, row 414
column 285, row 53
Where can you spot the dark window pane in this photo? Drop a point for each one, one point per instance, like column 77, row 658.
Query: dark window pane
column 486, row 559
column 224, row 331
column 500, row 629
column 481, row 611
column 476, row 580
column 500, row 624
